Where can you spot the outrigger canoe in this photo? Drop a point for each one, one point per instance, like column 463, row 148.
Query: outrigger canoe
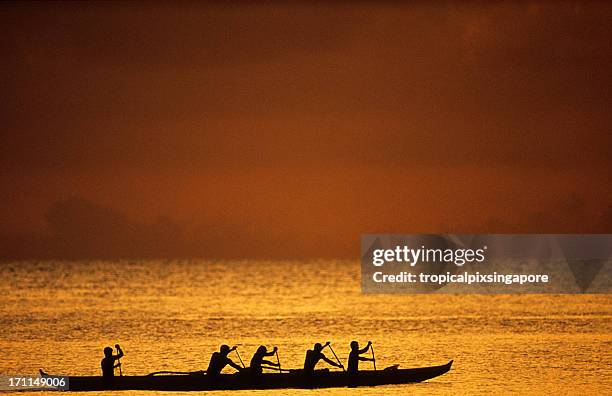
column 242, row 381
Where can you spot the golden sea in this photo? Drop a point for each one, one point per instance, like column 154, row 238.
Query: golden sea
column 171, row 315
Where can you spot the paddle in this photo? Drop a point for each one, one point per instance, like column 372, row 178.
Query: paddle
column 241, row 362
column 119, row 360
column 278, row 360
column 336, row 356
column 373, row 358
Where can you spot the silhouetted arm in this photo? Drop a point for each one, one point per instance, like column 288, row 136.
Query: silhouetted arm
column 330, row 361
column 268, row 362
column 119, row 354
column 364, row 350
column 234, row 365
column 365, row 359
column 272, row 352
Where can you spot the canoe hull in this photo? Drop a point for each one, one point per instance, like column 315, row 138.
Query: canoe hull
column 266, row 381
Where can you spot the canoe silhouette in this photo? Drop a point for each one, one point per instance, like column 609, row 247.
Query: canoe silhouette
column 243, row 381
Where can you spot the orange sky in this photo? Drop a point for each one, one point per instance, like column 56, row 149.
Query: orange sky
column 289, row 130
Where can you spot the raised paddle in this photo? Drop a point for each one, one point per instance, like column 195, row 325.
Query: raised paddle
column 373, row 358
column 336, row 356
column 278, row 360
column 119, row 360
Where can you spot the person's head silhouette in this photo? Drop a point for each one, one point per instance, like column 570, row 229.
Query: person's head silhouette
column 318, row 347
column 108, row 351
column 225, row 349
column 262, row 349
column 354, row 345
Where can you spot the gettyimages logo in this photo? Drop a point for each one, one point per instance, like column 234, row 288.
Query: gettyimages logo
column 489, row 263
column 425, row 255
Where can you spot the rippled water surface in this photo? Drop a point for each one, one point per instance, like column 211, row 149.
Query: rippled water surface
column 170, row 315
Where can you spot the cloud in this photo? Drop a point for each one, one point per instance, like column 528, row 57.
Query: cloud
column 143, row 85
column 299, row 124
column 81, row 229
column 569, row 215
column 605, row 220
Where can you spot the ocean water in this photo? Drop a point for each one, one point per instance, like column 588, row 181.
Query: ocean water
column 171, row 315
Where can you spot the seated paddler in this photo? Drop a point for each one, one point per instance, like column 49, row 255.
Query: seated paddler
column 354, row 358
column 219, row 360
column 314, row 355
column 258, row 359
column 108, row 362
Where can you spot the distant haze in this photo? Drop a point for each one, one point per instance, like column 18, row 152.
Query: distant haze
column 287, row 131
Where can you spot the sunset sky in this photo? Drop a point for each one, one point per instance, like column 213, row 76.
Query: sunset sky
column 192, row 130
